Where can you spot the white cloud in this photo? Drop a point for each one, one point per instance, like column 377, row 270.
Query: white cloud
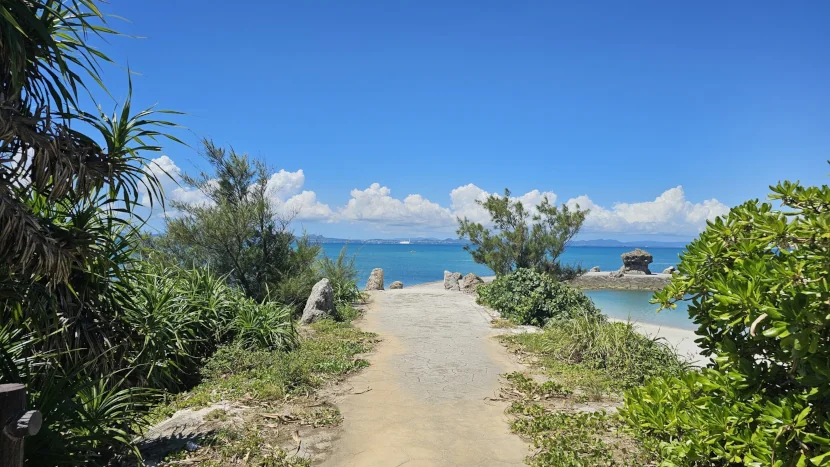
column 170, row 177
column 283, row 189
column 376, row 205
column 669, row 213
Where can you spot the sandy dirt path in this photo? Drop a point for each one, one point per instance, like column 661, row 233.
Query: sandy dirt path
column 428, row 385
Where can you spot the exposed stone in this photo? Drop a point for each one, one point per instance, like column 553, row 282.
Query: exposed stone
column 187, row 426
column 470, row 283
column 396, row 285
column 595, row 269
column 375, row 281
column 451, row 280
column 320, row 302
column 669, row 270
column 617, row 280
column 636, row 262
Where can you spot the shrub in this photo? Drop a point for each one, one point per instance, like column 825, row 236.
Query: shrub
column 757, row 284
column 622, row 357
column 342, row 274
column 529, row 297
column 265, row 325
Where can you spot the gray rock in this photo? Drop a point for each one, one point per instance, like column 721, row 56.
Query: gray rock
column 470, row 283
column 595, row 269
column 636, row 262
column 320, row 303
column 375, row 281
column 669, row 270
column 451, row 280
column 396, row 285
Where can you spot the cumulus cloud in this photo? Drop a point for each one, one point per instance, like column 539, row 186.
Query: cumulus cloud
column 376, row 205
column 669, row 213
column 170, row 177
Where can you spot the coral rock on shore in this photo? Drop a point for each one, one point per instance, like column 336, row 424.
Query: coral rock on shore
column 375, row 281
column 470, row 283
column 595, row 269
column 451, row 280
column 396, row 285
column 320, row 303
column 669, row 270
column 636, row 262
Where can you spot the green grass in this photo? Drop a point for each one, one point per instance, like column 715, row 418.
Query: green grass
column 248, row 445
column 567, row 439
column 327, row 351
column 597, row 357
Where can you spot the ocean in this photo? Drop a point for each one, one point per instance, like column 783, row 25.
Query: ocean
column 416, row 264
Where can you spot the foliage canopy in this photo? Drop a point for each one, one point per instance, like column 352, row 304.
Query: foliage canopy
column 757, row 283
column 519, row 239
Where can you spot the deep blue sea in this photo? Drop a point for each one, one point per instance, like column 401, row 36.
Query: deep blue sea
column 416, row 264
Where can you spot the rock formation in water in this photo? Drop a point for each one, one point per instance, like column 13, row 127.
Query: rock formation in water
column 636, row 262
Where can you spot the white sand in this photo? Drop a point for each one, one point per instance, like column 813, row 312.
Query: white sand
column 681, row 340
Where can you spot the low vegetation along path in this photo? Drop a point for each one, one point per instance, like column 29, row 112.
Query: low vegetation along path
column 425, row 398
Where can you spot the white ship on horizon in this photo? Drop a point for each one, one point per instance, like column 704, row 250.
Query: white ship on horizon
column 405, row 242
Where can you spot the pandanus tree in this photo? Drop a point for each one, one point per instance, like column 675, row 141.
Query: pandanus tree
column 70, row 182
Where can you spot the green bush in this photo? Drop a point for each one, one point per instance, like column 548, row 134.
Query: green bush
column 342, row 274
column 759, row 295
column 622, row 357
column 529, row 297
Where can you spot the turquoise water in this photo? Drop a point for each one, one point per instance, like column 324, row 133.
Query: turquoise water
column 417, row 264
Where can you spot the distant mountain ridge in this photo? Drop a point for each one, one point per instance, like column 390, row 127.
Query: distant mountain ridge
column 631, row 244
column 607, row 243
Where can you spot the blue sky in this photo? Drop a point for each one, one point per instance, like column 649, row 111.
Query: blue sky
column 614, row 104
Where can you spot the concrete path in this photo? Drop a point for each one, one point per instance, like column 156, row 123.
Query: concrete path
column 428, row 385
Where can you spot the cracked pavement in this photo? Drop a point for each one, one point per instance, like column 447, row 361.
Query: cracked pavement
column 430, row 379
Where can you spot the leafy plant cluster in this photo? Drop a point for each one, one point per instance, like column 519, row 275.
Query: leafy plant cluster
column 95, row 328
column 327, row 352
column 566, row 439
column 757, row 282
column 526, row 296
column 598, row 356
column 521, row 239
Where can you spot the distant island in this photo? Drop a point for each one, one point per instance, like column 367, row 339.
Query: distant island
column 606, row 243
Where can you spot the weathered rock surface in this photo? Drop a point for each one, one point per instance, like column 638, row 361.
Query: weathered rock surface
column 186, row 426
column 451, row 280
column 595, row 269
column 619, row 281
column 396, row 285
column 669, row 270
column 375, row 281
column 320, row 302
column 636, row 262
column 470, row 283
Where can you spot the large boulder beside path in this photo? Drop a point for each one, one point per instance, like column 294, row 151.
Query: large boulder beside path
column 470, row 283
column 375, row 281
column 396, row 285
column 451, row 280
column 320, row 303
